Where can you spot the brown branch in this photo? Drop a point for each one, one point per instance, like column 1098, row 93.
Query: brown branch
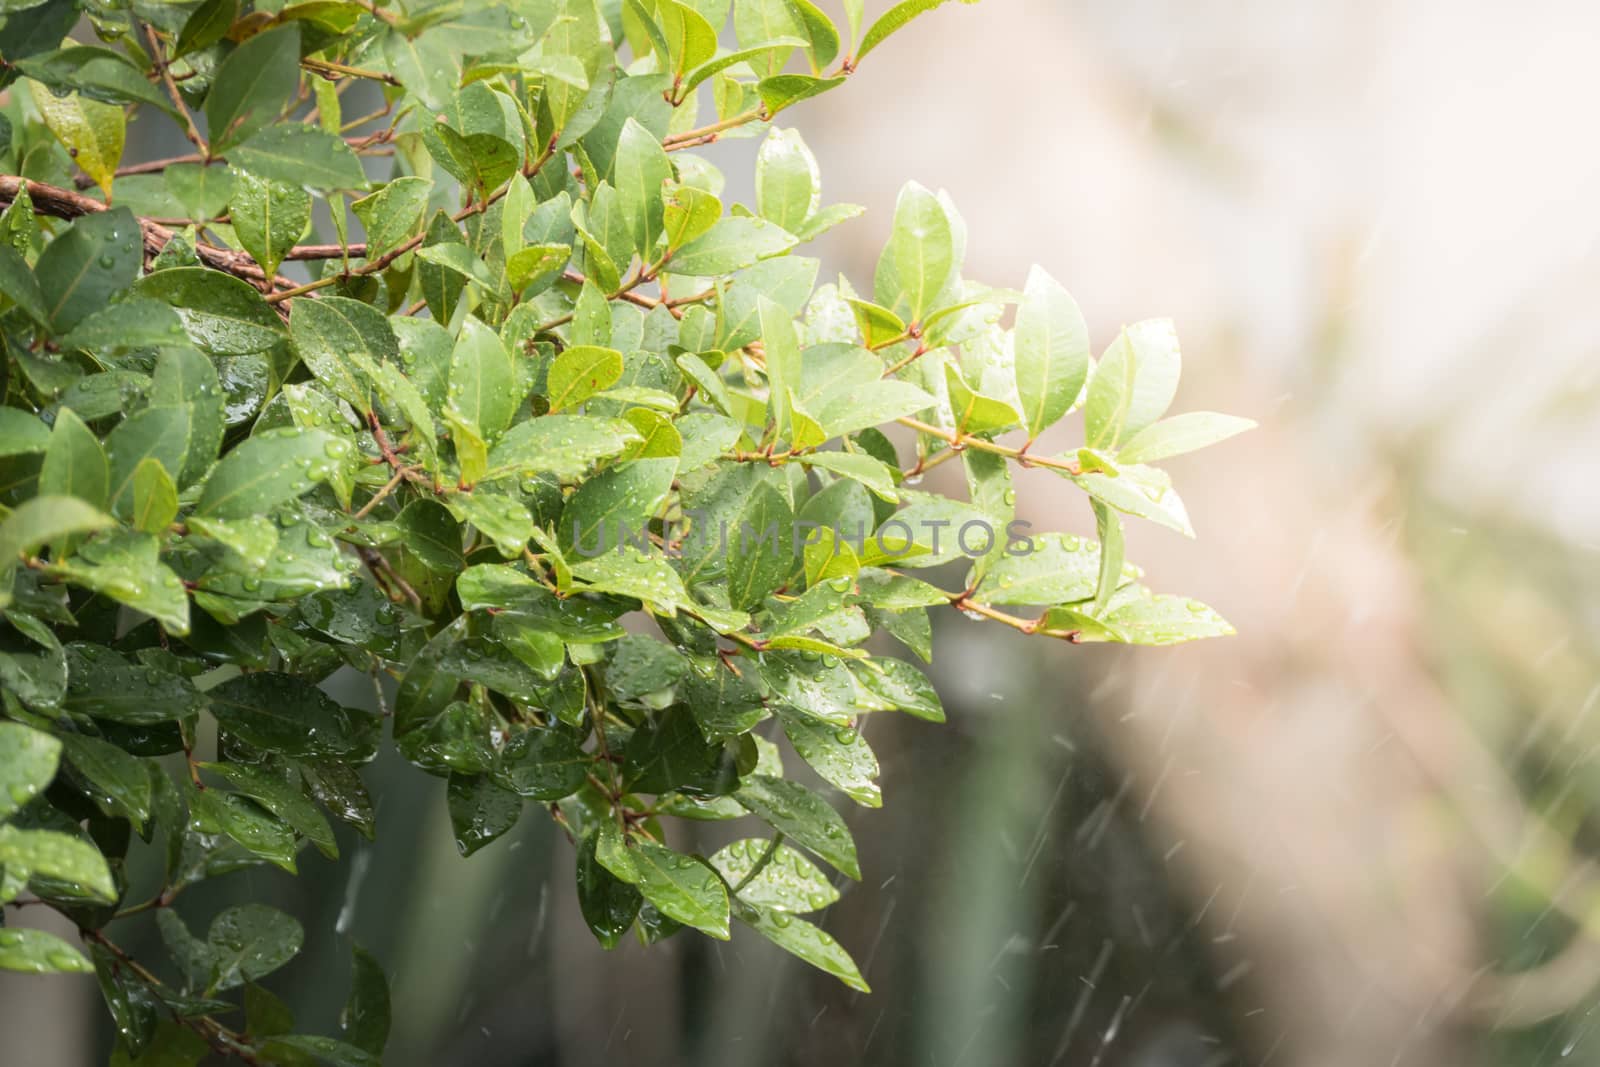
column 59, row 203
column 190, row 130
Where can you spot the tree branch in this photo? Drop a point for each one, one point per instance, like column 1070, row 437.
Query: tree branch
column 59, row 203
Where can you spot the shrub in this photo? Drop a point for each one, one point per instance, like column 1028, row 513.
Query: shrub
column 577, row 463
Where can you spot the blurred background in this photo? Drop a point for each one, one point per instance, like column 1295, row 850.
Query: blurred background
column 1358, row 833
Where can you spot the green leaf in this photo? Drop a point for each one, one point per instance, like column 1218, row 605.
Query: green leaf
column 481, row 810
column 544, row 764
column 249, row 942
column 730, row 244
column 295, row 1048
column 823, row 37
column 28, row 760
column 251, row 539
column 807, row 941
column 393, row 214
column 42, row 520
column 481, row 161
column 760, row 552
column 563, row 446
column 785, row 90
column 839, row 755
column 802, row 816
column 253, row 85
column 99, row 73
column 974, row 412
column 766, row 49
column 186, row 377
column 104, row 684
column 342, row 342
column 270, row 469
column 1134, row 383
column 205, row 26
column 630, row 573
column 620, row 498
column 920, row 257
column 687, row 213
column 608, row 903
column 160, row 433
column 783, row 367
column 785, row 881
column 641, row 165
column 79, row 271
column 1108, row 527
column 18, row 283
column 502, row 519
column 265, row 1012
column 682, row 887
column 92, row 132
column 223, row 314
column 902, row 686
column 536, row 264
column 155, row 498
column 460, row 260
column 126, row 568
column 40, row 952
column 1181, row 434
column 366, row 1015
column 658, row 436
column 26, row 853
column 579, row 373
column 1143, row 491
column 22, row 433
column 283, row 714
column 1060, row 568
column 300, row 155
column 1148, row 619
column 135, row 322
column 204, row 191
column 788, row 185
column 268, row 217
column 74, row 463
column 483, row 389
column 258, row 833
column 1052, row 352
column 879, row 326
column 894, row 20
column 280, row 793
column 118, row 782
column 690, row 39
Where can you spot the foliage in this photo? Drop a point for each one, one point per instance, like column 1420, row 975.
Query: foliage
column 577, row 463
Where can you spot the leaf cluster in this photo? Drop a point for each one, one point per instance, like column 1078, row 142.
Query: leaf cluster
column 562, row 447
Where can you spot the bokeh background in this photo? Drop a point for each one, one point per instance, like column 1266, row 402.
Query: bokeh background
column 1358, row 833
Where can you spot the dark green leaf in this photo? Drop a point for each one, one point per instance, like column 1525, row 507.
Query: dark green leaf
column 79, row 271
column 480, row 811
column 253, row 85
column 250, row 941
column 365, row 1019
column 283, row 714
